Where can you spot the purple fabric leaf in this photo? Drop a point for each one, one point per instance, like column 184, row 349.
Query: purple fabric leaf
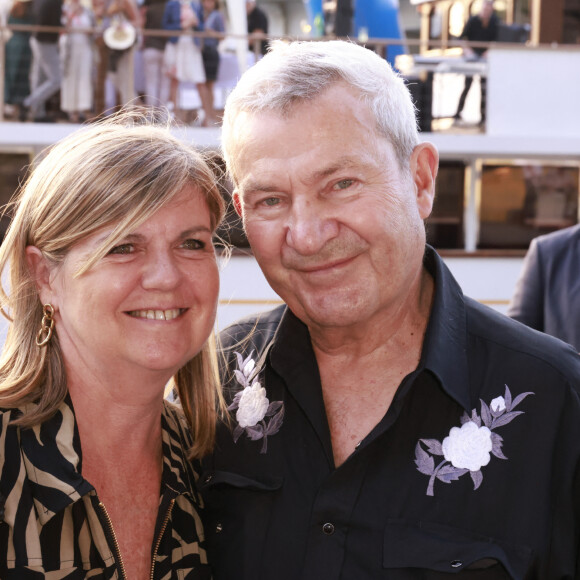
column 477, row 478
column 240, row 377
column 424, row 462
column 275, row 422
column 505, row 419
column 485, row 414
column 496, row 413
column 508, row 399
column 264, row 445
column 256, row 432
column 520, row 398
column 240, row 360
column 237, row 432
column 273, row 407
column 496, row 443
column 475, row 418
column 448, row 473
column 234, row 404
column 465, row 418
column 433, row 446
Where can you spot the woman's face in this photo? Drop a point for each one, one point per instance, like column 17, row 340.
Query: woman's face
column 149, row 304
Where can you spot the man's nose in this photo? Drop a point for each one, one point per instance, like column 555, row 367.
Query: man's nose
column 310, row 227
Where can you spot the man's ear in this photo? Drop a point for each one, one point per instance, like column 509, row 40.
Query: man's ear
column 40, row 271
column 424, row 164
column 237, row 203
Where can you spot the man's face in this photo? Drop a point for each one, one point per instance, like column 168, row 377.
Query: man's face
column 486, row 10
column 334, row 222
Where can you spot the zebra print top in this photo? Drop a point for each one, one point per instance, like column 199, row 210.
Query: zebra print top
column 52, row 525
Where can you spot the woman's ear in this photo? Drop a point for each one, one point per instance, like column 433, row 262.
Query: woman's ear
column 40, row 271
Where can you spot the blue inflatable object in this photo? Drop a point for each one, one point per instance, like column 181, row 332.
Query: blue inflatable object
column 372, row 19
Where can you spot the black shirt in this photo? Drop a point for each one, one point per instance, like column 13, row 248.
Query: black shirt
column 475, row 31
column 415, row 500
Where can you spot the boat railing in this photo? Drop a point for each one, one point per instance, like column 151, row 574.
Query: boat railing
column 422, row 62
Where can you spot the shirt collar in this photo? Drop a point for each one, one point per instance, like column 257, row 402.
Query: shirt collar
column 52, row 458
column 444, row 352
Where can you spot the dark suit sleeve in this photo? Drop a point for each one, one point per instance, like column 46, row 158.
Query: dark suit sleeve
column 527, row 304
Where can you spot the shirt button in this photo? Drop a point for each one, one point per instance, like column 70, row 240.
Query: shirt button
column 328, row 529
column 218, row 528
column 456, row 564
column 208, row 479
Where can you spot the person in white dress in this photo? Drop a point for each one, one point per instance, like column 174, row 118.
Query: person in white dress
column 77, row 59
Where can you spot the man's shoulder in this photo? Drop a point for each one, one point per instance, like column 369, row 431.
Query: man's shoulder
column 256, row 330
column 516, row 342
column 559, row 239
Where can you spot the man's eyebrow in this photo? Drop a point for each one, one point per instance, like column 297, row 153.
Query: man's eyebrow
column 256, row 186
column 253, row 185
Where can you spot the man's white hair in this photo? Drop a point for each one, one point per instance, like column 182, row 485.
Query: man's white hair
column 295, row 72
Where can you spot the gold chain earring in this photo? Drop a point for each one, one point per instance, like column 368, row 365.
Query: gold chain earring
column 46, row 325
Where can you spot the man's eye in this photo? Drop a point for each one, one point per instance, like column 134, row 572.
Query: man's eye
column 344, row 184
column 270, row 201
column 122, row 249
column 192, row 244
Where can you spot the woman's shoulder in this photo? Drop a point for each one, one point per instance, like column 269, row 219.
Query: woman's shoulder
column 175, row 422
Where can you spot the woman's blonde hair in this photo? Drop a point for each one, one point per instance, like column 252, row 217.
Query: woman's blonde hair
column 114, row 174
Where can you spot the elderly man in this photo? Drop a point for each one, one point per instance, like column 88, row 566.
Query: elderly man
column 382, row 424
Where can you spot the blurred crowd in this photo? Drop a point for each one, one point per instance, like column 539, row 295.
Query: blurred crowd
column 102, row 54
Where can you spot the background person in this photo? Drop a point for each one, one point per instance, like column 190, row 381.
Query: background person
column 183, row 61
column 547, row 293
column 376, row 414
column 482, row 27
column 76, row 95
column 213, row 21
column 257, row 24
column 156, row 81
column 116, row 67
column 18, row 57
column 45, row 73
column 114, row 292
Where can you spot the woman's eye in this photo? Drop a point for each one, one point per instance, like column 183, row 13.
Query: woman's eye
column 344, row 183
column 122, row 249
column 192, row 244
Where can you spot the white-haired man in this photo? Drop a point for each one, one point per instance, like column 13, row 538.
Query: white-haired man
column 382, row 424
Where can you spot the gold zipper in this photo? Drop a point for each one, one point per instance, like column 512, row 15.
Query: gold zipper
column 158, row 542
column 115, row 542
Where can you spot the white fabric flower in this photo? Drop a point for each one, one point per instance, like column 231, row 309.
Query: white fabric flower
column 497, row 405
column 468, row 447
column 249, row 367
column 252, row 406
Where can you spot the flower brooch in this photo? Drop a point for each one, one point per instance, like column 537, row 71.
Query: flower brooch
column 256, row 416
column 467, row 448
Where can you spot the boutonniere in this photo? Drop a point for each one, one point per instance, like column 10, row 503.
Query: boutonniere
column 256, row 416
column 468, row 448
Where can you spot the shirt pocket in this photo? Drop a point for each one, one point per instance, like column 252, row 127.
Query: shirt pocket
column 236, row 516
column 446, row 550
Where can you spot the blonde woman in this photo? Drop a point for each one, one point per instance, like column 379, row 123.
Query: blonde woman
column 113, row 292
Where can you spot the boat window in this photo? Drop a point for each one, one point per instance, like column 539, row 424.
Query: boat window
column 445, row 225
column 520, row 202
